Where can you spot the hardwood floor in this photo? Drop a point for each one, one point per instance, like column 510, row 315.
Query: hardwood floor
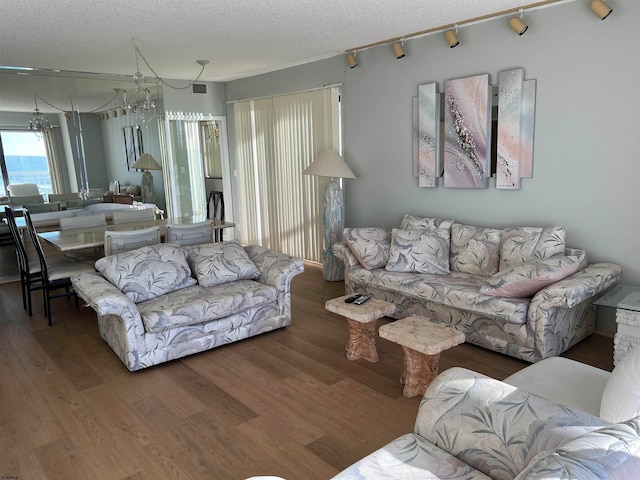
column 286, row 403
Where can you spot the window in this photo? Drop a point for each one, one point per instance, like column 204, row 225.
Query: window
column 23, row 159
column 276, row 139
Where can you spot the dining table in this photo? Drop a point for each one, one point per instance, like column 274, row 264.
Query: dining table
column 81, row 238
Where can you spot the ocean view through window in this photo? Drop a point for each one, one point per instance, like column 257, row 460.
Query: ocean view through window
column 24, row 160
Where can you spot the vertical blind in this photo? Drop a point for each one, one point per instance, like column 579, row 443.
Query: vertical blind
column 276, row 139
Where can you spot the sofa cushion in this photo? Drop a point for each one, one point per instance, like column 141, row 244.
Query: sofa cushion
column 411, row 222
column 369, row 245
column 199, row 304
column 621, row 396
column 524, row 244
column 420, row 251
column 218, row 263
column 457, row 290
column 147, row 272
column 474, row 250
column 611, row 452
column 526, row 279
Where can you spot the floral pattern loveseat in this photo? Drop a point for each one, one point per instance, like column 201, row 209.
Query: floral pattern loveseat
column 163, row 302
column 471, row 427
column 518, row 291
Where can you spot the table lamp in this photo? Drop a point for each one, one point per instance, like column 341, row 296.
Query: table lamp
column 146, row 162
column 330, row 163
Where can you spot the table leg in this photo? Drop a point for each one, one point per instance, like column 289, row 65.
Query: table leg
column 419, row 372
column 362, row 341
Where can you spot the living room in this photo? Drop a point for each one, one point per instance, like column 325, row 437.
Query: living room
column 583, row 179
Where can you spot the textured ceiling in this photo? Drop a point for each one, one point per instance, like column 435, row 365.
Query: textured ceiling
column 240, row 38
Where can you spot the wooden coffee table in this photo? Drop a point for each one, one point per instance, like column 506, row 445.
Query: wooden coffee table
column 422, row 342
column 362, row 324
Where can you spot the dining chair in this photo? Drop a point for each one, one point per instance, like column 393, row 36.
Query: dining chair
column 19, row 200
column 190, row 234
column 55, row 275
column 22, row 189
column 42, row 207
column 125, row 240
column 67, row 200
column 84, row 222
column 132, row 215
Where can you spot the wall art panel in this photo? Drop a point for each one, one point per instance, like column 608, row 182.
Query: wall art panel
column 428, row 134
column 527, row 128
column 467, row 132
column 414, row 127
column 509, row 128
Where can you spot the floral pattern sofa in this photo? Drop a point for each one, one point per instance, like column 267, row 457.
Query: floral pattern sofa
column 470, row 426
column 518, row 291
column 163, row 302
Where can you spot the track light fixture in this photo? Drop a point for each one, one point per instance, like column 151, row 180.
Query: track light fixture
column 351, row 60
column 601, row 9
column 517, row 25
column 452, row 37
column 398, row 49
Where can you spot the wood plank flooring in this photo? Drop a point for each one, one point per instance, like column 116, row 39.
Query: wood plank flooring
column 286, row 403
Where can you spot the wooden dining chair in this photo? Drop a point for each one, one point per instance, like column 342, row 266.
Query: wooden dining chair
column 54, row 275
column 190, row 234
column 133, row 215
column 118, row 241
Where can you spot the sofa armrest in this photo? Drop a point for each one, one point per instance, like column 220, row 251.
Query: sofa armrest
column 579, row 287
column 344, row 254
column 103, row 296
column 276, row 269
column 492, row 426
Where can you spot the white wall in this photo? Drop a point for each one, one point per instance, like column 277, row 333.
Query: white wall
column 586, row 168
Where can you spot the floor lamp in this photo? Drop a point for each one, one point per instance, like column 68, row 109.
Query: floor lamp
column 146, row 162
column 329, row 163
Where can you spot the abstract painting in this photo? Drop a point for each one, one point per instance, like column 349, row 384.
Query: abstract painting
column 527, row 128
column 414, row 127
column 467, row 147
column 509, row 128
column 428, row 133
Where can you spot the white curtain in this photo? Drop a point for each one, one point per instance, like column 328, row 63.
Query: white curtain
column 276, row 139
column 57, row 163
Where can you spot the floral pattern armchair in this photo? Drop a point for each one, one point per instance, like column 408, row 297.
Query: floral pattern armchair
column 470, row 426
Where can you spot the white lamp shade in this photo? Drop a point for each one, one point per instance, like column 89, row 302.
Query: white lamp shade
column 146, row 162
column 329, row 163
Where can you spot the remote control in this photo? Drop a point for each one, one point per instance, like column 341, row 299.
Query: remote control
column 361, row 300
column 353, row 299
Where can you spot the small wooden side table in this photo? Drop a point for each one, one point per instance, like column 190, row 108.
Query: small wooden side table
column 362, row 324
column 422, row 342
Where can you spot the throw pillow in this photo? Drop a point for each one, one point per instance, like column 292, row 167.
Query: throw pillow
column 524, row 244
column 369, row 245
column 419, row 251
column 218, row 263
column 475, row 250
column 147, row 272
column 621, row 396
column 410, row 222
column 525, row 280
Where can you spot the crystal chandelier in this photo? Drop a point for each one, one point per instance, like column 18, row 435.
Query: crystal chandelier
column 38, row 123
column 142, row 106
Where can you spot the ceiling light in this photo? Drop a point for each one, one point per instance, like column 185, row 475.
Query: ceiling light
column 452, row 38
column 601, row 9
column 351, row 60
column 517, row 25
column 398, row 49
column 38, row 123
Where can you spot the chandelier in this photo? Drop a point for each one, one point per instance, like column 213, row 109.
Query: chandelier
column 142, row 105
column 38, row 123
